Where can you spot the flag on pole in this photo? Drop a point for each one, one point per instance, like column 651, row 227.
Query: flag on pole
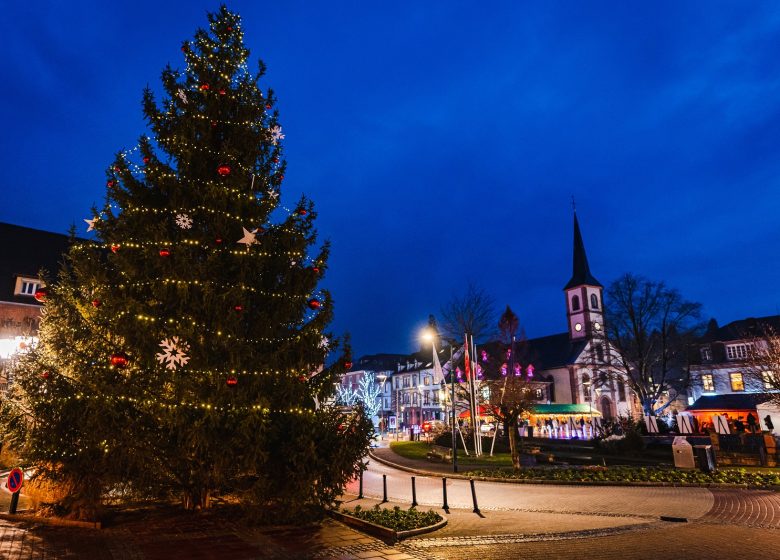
column 438, row 372
column 467, row 362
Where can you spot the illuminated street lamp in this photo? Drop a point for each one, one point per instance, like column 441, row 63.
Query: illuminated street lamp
column 427, row 335
column 383, row 415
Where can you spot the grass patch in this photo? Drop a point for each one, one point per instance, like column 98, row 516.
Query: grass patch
column 397, row 519
column 639, row 474
column 419, row 450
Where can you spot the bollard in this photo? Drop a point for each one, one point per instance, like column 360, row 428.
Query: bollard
column 445, row 506
column 414, row 494
column 360, row 493
column 14, row 502
column 474, row 496
column 384, row 488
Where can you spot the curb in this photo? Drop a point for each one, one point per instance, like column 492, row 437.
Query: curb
column 55, row 521
column 384, row 533
column 570, row 482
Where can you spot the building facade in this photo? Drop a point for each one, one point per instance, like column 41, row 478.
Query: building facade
column 26, row 253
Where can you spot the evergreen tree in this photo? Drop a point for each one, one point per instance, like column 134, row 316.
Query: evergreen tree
column 188, row 340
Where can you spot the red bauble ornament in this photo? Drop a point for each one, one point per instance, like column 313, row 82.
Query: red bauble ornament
column 40, row 295
column 165, row 252
column 213, row 124
column 184, row 48
column 204, row 87
column 281, row 178
column 45, row 374
column 146, row 159
column 110, row 183
column 116, row 168
column 229, row 28
column 347, row 365
column 114, row 248
column 238, row 308
column 96, row 303
column 276, row 160
column 231, row 381
column 315, row 269
column 119, row 360
column 268, row 106
column 302, row 378
column 218, row 240
column 223, row 170
column 222, row 92
column 302, row 212
column 314, row 304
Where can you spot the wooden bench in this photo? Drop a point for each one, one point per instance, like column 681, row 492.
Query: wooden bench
column 439, row 453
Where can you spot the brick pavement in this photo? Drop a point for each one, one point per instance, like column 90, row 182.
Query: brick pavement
column 756, row 508
column 739, row 524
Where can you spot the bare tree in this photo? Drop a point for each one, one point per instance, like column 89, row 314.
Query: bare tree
column 763, row 362
column 472, row 312
column 511, row 396
column 649, row 328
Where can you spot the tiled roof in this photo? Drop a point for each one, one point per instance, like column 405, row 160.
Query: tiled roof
column 743, row 328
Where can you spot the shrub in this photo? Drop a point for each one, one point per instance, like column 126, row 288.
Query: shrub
column 396, row 518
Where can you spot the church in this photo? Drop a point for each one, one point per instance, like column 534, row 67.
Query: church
column 572, row 372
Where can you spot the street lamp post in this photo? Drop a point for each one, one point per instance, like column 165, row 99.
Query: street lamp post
column 383, row 415
column 428, row 336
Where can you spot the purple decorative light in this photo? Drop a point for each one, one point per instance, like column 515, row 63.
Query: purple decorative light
column 503, row 369
column 518, row 370
column 484, row 356
column 530, row 370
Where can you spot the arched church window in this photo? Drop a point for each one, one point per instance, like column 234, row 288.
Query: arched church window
column 594, row 301
column 586, row 388
column 575, row 303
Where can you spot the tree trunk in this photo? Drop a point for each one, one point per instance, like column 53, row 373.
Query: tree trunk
column 196, row 499
column 513, row 447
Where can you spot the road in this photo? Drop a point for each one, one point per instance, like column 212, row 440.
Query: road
column 617, row 501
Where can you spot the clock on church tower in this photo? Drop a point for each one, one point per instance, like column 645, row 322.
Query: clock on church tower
column 583, row 294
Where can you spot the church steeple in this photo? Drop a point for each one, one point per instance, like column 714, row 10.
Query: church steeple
column 583, row 294
column 581, row 270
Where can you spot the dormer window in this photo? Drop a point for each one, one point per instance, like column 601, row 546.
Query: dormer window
column 575, row 303
column 27, row 286
column 737, row 351
column 706, row 354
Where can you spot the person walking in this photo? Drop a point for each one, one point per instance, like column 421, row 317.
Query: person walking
column 751, row 422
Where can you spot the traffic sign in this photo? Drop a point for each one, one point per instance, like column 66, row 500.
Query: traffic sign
column 15, row 480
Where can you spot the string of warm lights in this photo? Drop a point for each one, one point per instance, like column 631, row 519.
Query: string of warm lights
column 129, row 244
column 202, row 405
column 221, row 286
column 276, row 373
column 190, row 322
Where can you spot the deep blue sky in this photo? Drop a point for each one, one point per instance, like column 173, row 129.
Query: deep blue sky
column 442, row 141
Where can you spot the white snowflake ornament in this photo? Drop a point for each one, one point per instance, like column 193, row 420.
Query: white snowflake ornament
column 183, row 221
column 276, row 134
column 174, row 352
column 272, row 194
column 182, row 96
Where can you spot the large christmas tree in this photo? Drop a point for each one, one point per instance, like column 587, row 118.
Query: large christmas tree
column 182, row 350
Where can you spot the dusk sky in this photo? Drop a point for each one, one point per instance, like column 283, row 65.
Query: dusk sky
column 442, row 141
